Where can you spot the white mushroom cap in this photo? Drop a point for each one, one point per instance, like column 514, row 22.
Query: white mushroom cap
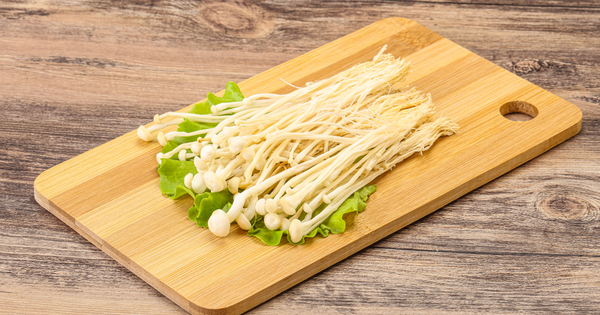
column 243, row 222
column 285, row 224
column 248, row 154
column 283, row 202
column 234, row 184
column 260, row 164
column 236, row 144
column 217, row 139
column 197, row 184
column 218, row 223
column 144, row 134
column 196, row 148
column 181, row 155
column 157, row 119
column 270, row 206
column 207, row 153
column 187, row 180
column 250, row 212
column 260, row 207
column 161, row 138
column 272, row 221
column 214, row 183
column 228, row 132
column 295, row 230
column 200, row 164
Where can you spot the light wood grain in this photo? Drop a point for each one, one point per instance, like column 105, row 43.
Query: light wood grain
column 524, row 243
column 110, row 194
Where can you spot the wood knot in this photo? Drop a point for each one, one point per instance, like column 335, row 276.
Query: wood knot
column 529, row 65
column 565, row 203
column 235, row 19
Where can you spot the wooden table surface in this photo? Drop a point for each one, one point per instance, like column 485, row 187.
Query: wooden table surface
column 75, row 74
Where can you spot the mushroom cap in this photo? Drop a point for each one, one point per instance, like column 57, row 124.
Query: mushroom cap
column 272, row 221
column 144, row 134
column 295, row 231
column 218, row 223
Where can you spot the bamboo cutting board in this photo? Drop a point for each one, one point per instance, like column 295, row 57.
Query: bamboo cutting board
column 111, row 196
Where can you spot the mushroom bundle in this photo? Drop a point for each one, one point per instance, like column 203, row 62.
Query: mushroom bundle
column 289, row 161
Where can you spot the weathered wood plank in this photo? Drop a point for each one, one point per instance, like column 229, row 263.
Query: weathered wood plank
column 115, row 49
column 389, row 281
column 68, row 67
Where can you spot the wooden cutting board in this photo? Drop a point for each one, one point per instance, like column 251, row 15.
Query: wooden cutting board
column 111, row 196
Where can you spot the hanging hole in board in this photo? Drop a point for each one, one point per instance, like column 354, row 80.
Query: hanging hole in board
column 518, row 111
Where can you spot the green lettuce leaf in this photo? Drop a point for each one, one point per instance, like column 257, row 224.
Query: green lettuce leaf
column 232, row 94
column 205, row 204
column 201, row 108
column 172, row 173
column 356, row 203
column 334, row 224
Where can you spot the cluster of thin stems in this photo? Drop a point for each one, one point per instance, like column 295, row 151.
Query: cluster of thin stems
column 312, row 148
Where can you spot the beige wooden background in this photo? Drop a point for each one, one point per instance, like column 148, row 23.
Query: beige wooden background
column 75, row 74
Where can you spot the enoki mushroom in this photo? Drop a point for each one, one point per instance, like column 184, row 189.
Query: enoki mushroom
column 283, row 156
